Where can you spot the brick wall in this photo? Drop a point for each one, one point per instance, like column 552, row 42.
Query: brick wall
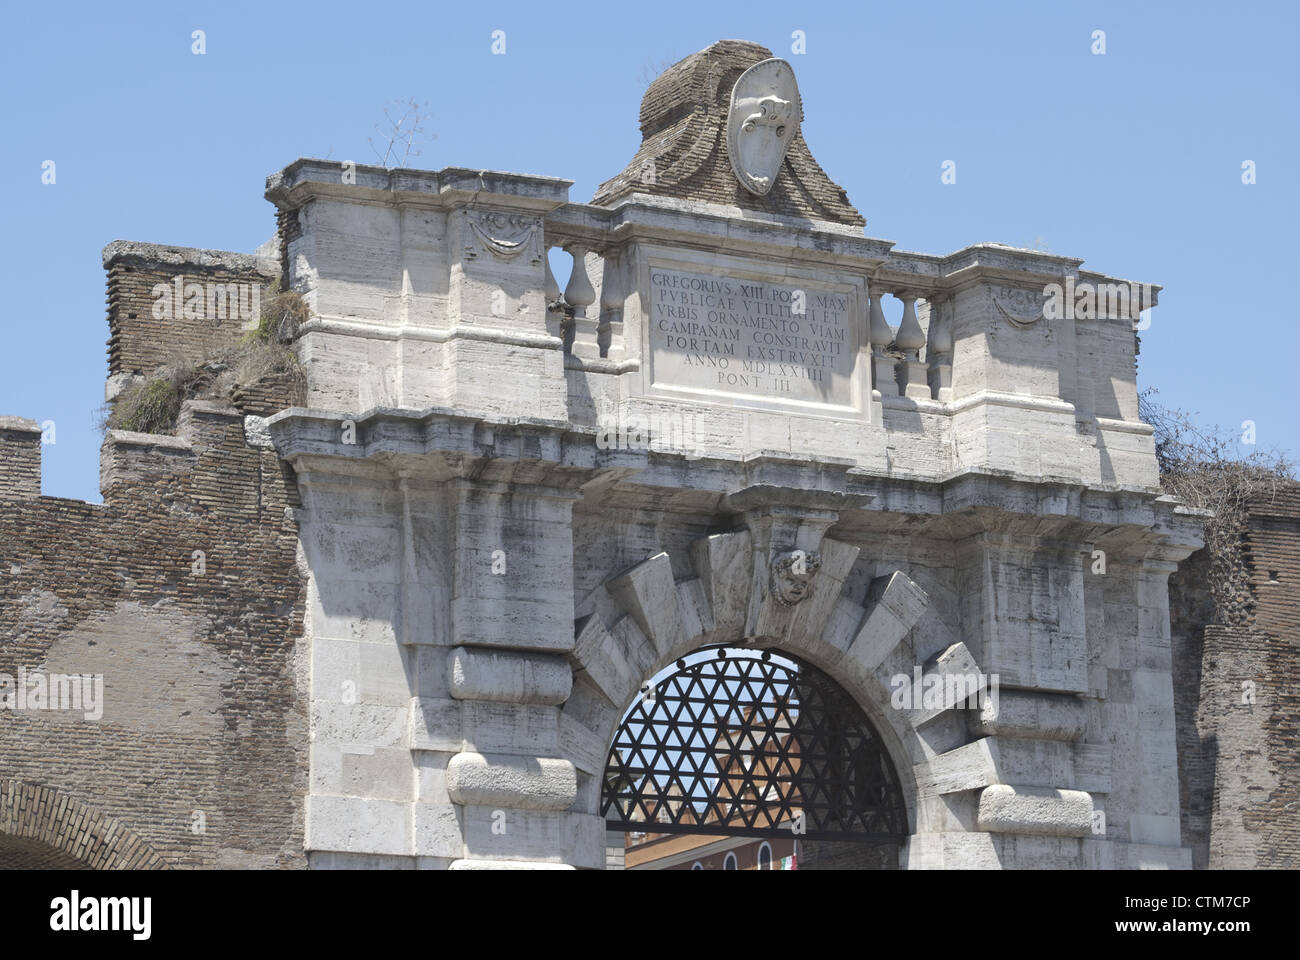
column 1272, row 548
column 152, row 321
column 47, row 830
column 20, row 457
column 201, row 746
column 1237, row 694
column 181, row 592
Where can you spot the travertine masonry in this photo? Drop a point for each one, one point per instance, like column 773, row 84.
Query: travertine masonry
column 429, row 595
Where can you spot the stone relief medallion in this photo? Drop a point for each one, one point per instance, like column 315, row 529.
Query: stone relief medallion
column 505, row 236
column 792, row 574
column 764, row 117
column 1022, row 308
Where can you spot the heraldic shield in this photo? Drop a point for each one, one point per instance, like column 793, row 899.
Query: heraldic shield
column 762, row 123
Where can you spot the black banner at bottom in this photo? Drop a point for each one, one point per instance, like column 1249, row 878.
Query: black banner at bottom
column 336, row 909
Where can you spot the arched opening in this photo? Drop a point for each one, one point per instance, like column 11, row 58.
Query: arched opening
column 43, row 828
column 740, row 758
column 22, row 853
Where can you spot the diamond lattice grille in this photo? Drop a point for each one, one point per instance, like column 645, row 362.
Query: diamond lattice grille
column 734, row 743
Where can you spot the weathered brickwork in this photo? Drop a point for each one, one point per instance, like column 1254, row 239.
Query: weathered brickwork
column 45, row 829
column 20, row 457
column 684, row 149
column 1272, row 547
column 265, row 396
column 1237, row 694
column 181, row 590
column 140, row 341
column 287, row 230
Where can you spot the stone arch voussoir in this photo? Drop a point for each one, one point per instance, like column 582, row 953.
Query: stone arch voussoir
column 728, row 600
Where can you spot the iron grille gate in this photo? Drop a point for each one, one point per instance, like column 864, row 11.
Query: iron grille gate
column 736, row 743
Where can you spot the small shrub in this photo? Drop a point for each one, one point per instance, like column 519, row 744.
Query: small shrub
column 1204, row 468
column 270, row 360
column 151, row 406
column 281, row 316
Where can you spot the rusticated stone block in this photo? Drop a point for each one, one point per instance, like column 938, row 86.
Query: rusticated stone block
column 530, row 783
column 1035, row 810
column 479, row 673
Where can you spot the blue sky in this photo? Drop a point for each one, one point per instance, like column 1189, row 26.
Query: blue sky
column 1131, row 159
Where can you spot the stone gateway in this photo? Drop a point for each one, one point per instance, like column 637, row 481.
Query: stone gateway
column 403, row 610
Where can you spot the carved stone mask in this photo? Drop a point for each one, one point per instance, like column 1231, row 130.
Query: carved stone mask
column 792, row 573
column 763, row 120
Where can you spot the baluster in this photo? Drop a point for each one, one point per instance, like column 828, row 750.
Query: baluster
column 557, row 314
column 881, row 335
column 552, row 289
column 611, row 301
column 910, row 338
column 938, row 352
column 578, row 295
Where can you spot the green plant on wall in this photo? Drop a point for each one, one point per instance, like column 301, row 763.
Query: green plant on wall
column 282, row 314
column 150, row 406
column 153, row 405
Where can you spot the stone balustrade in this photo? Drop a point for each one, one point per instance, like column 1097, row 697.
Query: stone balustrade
column 905, row 362
column 968, row 352
column 898, row 368
column 588, row 333
column 912, row 359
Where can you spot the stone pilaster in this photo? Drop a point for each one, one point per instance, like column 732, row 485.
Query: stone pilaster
column 440, row 615
column 1139, row 824
column 1020, row 789
column 512, row 618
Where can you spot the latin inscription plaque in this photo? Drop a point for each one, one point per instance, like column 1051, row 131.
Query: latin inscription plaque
column 788, row 342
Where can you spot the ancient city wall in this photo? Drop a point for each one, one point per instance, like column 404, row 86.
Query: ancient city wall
column 170, row 305
column 182, row 592
column 1237, row 667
